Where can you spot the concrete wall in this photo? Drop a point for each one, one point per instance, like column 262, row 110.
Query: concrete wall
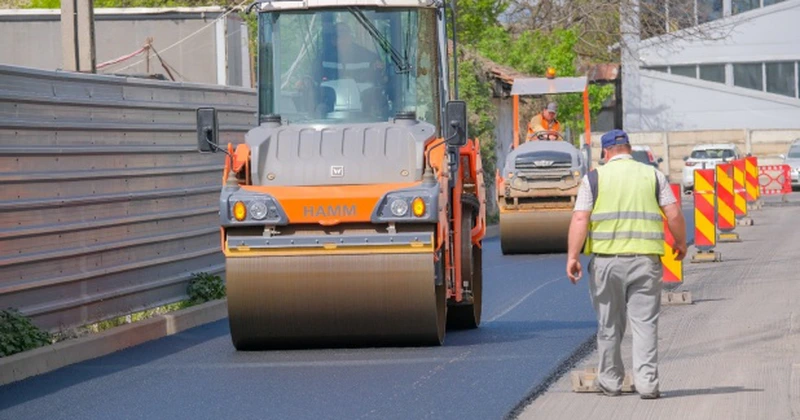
column 658, row 101
column 674, row 146
column 106, row 207
column 210, row 53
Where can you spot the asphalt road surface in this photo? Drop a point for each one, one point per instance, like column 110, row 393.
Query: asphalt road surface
column 534, row 320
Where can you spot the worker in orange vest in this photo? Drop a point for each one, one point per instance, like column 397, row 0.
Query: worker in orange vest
column 544, row 121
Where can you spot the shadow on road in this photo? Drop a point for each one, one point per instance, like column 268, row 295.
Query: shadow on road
column 52, row 382
column 707, row 391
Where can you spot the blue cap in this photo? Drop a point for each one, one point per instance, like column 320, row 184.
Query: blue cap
column 614, row 137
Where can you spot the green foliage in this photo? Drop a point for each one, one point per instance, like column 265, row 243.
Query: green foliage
column 475, row 17
column 139, row 316
column 204, row 287
column 18, row 333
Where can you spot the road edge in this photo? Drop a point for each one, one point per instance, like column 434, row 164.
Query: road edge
column 45, row 359
column 584, row 349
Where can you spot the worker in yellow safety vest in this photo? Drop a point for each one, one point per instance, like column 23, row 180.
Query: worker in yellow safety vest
column 618, row 216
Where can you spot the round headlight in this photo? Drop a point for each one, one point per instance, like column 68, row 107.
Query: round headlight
column 258, row 210
column 399, row 207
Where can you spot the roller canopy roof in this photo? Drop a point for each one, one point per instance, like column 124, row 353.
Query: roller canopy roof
column 543, row 86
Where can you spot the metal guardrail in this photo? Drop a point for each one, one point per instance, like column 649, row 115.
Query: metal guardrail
column 106, row 207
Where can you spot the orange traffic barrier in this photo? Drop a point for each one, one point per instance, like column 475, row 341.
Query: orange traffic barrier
column 751, row 179
column 739, row 200
column 673, row 269
column 726, row 218
column 739, row 208
column 705, row 230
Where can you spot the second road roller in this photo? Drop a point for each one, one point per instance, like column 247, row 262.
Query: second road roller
column 353, row 213
column 539, row 181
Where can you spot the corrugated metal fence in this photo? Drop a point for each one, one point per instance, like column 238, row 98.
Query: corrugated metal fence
column 106, row 207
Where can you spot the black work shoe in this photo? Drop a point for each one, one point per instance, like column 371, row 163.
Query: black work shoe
column 651, row 396
column 607, row 392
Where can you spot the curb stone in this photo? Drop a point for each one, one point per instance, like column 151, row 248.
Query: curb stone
column 49, row 358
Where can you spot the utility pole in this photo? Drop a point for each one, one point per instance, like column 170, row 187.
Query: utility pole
column 77, row 36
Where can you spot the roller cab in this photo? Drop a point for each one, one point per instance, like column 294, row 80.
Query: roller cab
column 539, row 181
column 352, row 214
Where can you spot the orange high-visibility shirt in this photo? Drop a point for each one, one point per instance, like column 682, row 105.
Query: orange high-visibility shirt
column 538, row 119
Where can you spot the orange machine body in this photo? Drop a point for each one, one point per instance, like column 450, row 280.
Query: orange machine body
column 321, row 205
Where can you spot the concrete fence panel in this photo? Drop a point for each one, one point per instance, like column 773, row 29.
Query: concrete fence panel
column 106, row 207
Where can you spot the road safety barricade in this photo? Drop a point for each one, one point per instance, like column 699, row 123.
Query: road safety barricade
column 705, row 231
column 751, row 181
column 673, row 269
column 775, row 179
column 739, row 200
column 726, row 219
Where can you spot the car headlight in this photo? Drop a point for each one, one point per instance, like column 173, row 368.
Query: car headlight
column 412, row 205
column 258, row 210
column 399, row 207
column 247, row 209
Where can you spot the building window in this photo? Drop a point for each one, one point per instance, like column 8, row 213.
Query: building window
column 780, row 78
column 771, row 2
column 708, row 10
column 662, row 69
column 712, row 72
column 748, row 75
column 741, row 6
column 688, row 71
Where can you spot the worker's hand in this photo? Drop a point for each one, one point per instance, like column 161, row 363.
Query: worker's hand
column 679, row 250
column 574, row 271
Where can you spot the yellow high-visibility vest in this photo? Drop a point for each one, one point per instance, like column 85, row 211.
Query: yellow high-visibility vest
column 626, row 218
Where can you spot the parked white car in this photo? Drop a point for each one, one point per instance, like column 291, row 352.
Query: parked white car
column 707, row 156
column 792, row 158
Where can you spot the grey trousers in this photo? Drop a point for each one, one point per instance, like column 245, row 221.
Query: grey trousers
column 627, row 287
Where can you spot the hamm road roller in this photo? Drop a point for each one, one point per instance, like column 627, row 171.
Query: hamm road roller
column 538, row 183
column 353, row 213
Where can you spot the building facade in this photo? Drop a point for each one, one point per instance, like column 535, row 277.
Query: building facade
column 726, row 64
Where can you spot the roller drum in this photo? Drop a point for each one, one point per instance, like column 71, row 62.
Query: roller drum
column 334, row 300
column 534, row 231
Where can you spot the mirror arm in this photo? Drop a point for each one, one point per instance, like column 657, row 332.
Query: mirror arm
column 214, row 146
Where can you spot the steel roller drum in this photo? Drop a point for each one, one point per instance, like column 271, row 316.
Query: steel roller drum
column 534, row 231
column 337, row 300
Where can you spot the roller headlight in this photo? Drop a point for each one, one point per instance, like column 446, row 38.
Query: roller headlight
column 258, row 210
column 239, row 211
column 399, row 207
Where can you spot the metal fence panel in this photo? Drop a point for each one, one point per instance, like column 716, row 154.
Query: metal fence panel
column 106, row 207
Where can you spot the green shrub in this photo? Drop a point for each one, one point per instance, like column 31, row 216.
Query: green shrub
column 204, row 287
column 18, row 333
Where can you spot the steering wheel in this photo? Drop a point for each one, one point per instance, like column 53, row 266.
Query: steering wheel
column 547, row 135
